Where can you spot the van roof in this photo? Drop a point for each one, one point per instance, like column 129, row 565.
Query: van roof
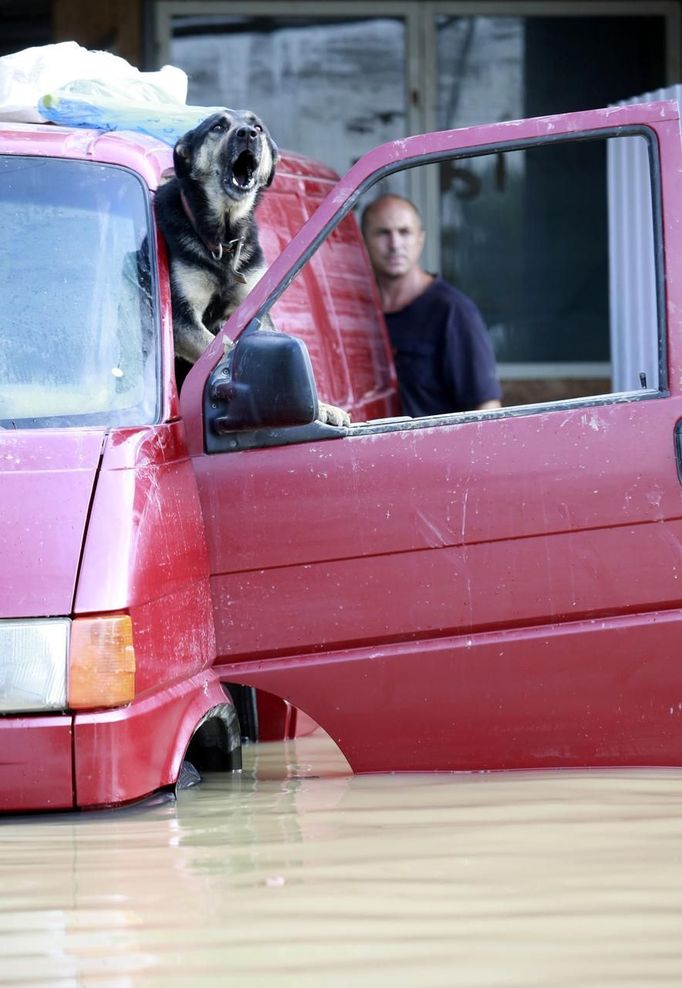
column 146, row 155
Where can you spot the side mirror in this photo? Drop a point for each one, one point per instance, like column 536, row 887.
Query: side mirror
column 262, row 393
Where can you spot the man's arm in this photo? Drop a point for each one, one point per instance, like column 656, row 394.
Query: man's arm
column 470, row 357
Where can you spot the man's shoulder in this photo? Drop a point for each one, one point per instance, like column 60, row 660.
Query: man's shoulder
column 445, row 296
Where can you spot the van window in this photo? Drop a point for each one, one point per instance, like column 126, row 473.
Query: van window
column 77, row 345
column 555, row 244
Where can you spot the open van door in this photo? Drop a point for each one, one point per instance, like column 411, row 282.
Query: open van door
column 481, row 590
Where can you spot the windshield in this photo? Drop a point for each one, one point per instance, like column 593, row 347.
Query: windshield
column 77, row 339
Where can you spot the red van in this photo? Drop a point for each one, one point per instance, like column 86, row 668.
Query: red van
column 107, row 631
column 484, row 590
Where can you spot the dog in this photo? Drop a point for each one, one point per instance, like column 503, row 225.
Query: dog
column 206, row 215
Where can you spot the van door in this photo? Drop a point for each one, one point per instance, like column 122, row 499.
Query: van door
column 483, row 590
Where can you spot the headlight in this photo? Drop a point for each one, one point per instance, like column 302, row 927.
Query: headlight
column 33, row 663
column 57, row 663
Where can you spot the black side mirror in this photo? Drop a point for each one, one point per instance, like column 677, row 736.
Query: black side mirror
column 262, row 393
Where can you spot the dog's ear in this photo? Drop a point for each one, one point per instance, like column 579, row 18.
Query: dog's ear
column 274, row 151
column 182, row 158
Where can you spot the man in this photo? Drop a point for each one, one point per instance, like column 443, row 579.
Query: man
column 443, row 354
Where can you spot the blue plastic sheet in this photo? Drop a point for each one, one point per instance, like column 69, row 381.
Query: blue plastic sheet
column 166, row 122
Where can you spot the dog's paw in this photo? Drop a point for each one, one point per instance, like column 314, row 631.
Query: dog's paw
column 332, row 415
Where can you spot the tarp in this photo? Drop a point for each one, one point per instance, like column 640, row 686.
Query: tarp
column 70, row 85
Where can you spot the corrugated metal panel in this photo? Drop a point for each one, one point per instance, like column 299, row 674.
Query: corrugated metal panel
column 632, row 288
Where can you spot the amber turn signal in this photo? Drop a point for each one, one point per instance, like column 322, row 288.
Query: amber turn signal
column 101, row 662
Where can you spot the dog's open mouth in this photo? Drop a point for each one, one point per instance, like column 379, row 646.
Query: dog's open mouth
column 244, row 169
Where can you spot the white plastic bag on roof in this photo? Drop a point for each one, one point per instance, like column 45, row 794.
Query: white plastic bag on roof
column 28, row 76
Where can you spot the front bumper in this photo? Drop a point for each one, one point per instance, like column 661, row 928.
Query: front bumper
column 104, row 757
column 36, row 765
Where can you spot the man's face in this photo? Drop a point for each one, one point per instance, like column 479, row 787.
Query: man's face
column 394, row 238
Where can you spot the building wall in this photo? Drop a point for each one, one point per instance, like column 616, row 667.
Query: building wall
column 109, row 25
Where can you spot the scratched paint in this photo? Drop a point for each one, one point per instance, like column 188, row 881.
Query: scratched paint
column 296, row 873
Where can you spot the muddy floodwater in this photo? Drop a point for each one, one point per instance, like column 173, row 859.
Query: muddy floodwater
column 297, row 873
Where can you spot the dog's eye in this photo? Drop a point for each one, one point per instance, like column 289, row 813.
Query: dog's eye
column 258, row 127
column 220, row 126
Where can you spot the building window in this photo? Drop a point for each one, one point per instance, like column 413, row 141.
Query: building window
column 334, row 79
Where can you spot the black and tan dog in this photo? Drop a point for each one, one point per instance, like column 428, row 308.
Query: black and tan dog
column 205, row 213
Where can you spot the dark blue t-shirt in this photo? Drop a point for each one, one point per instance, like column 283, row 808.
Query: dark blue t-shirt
column 443, row 355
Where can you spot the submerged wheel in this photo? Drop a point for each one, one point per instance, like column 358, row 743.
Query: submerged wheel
column 215, row 746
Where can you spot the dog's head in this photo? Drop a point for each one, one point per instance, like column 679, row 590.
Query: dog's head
column 231, row 154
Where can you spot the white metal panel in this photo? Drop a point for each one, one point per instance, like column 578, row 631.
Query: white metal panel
column 632, row 275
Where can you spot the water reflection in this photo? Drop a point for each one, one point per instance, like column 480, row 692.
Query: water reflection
column 297, row 873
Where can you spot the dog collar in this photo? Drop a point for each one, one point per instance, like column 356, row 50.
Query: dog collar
column 215, row 250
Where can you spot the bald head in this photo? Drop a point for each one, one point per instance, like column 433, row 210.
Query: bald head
column 392, row 228
column 388, row 199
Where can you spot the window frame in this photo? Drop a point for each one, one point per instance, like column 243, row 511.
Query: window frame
column 634, row 130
